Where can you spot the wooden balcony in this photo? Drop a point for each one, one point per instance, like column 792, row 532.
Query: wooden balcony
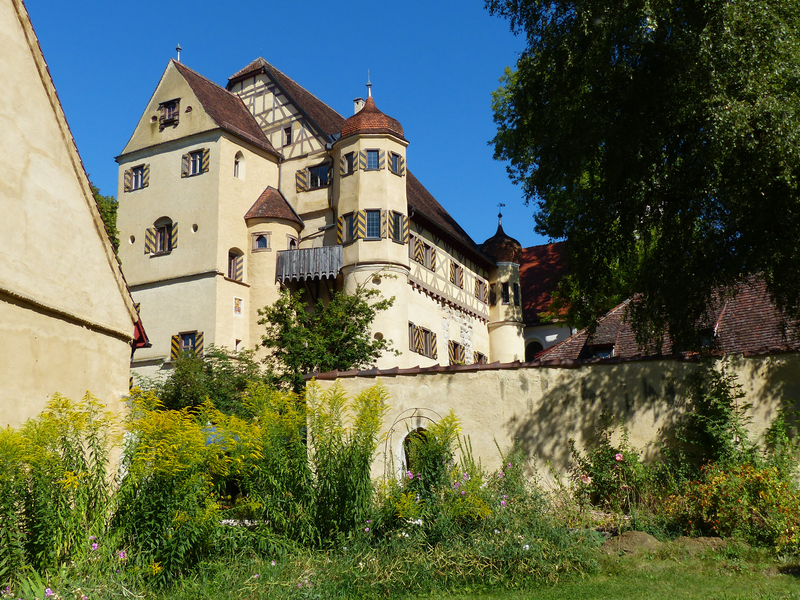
column 309, row 264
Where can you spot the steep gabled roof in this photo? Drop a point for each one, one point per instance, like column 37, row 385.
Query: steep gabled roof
column 422, row 203
column 227, row 110
column 541, row 269
column 271, row 204
column 748, row 322
column 327, row 120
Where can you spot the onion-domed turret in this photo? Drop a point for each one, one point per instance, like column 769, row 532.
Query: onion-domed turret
column 370, row 120
column 503, row 248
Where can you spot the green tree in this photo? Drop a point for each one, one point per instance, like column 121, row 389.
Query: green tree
column 332, row 336
column 661, row 139
column 108, row 212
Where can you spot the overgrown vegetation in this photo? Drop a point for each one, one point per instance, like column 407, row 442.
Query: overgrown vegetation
column 276, row 498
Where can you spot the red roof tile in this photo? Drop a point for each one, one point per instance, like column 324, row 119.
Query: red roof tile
column 540, row 270
column 371, row 120
column 226, row 109
column 748, row 322
column 272, row 205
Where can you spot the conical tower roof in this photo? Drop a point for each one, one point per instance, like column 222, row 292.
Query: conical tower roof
column 371, row 120
column 502, row 247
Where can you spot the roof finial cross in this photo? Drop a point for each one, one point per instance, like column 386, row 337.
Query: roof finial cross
column 369, row 86
column 500, row 205
column 178, row 48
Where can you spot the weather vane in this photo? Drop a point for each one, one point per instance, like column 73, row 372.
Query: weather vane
column 500, row 205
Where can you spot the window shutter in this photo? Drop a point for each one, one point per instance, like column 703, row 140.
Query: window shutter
column 175, row 347
column 384, row 224
column 434, row 351
column 452, row 272
column 342, row 165
column 381, row 159
column 477, row 288
column 405, row 234
column 419, row 341
column 198, row 343
column 462, row 354
column 392, row 232
column 145, row 176
column 185, row 165
column 402, row 162
column 362, row 160
column 486, row 293
column 127, row 180
column 361, row 224
column 301, row 180
column 173, row 237
column 149, row 240
column 239, row 270
column 451, row 351
column 432, row 250
column 204, row 160
column 340, row 230
column 460, row 274
column 419, row 251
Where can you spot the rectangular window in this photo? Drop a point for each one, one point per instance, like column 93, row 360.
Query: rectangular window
column 137, row 178
column 493, row 294
column 287, row 135
column 422, row 341
column 394, row 163
column 350, row 162
column 506, row 294
column 349, row 227
column 162, row 239
column 456, row 274
column 480, row 358
column 480, row 290
column 188, row 341
column 517, row 296
column 397, row 227
column 372, row 160
column 373, row 224
column 170, row 111
column 456, row 352
column 317, row 176
column 196, row 162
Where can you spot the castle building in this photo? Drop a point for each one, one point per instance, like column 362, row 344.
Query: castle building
column 228, row 194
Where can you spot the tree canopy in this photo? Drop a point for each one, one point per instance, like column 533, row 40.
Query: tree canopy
column 108, row 212
column 333, row 336
column 661, row 140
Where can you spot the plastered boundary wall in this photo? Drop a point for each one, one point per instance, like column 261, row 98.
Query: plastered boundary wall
column 542, row 407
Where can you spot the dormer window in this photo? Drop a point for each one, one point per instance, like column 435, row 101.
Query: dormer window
column 170, row 112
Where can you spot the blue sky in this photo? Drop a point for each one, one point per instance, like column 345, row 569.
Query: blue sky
column 433, row 67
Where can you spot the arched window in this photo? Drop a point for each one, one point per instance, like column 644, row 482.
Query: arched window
column 235, row 264
column 238, row 166
column 262, row 242
column 532, row 349
column 164, row 241
column 292, row 243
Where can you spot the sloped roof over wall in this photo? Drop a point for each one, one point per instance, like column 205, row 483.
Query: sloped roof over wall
column 746, row 323
column 540, row 270
column 272, row 205
column 226, row 109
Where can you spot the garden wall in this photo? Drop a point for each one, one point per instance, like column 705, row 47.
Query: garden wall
column 543, row 405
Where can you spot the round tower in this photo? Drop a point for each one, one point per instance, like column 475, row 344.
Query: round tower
column 506, row 328
column 371, row 208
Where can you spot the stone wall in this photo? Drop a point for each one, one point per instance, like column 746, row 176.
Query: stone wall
column 543, row 407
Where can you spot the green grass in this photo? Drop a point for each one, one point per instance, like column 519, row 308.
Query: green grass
column 670, row 575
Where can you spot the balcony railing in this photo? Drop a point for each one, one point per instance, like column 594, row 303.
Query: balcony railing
column 309, row 264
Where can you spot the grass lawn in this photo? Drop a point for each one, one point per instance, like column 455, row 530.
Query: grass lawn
column 668, row 575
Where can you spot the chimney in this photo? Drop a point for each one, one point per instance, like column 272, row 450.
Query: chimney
column 358, row 104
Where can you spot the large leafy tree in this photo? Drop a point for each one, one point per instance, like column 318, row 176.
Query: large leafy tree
column 325, row 337
column 661, row 139
column 108, row 212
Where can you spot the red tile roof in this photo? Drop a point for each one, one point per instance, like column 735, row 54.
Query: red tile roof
column 271, row 204
column 323, row 116
column 540, row 270
column 371, row 120
column 502, row 247
column 746, row 323
column 226, row 109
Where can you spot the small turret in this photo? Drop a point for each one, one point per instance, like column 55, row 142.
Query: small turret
column 506, row 327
